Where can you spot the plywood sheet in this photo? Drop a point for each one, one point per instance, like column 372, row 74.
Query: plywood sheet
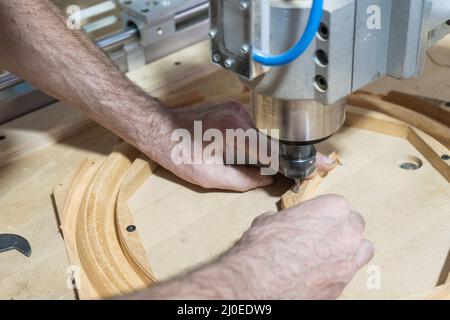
column 407, row 213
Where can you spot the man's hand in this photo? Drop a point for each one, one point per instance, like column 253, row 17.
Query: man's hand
column 221, row 116
column 311, row 251
column 69, row 67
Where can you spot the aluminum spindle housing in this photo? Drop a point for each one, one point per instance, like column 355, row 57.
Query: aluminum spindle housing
column 305, row 121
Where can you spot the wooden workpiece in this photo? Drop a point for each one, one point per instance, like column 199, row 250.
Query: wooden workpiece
column 180, row 226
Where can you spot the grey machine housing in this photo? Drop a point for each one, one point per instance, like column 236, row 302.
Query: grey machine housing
column 357, row 43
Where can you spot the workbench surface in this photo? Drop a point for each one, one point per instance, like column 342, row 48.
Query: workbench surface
column 41, row 148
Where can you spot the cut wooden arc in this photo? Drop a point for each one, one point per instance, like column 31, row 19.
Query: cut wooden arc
column 431, row 150
column 95, row 215
column 68, row 196
column 98, row 240
column 130, row 241
column 434, row 128
column 402, row 129
column 419, row 105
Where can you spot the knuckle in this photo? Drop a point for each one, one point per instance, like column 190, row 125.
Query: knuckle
column 235, row 105
column 338, row 201
column 358, row 221
column 333, row 205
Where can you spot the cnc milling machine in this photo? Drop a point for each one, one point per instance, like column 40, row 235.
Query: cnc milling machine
column 301, row 58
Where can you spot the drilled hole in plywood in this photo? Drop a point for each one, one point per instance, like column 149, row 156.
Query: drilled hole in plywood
column 178, row 63
column 410, row 163
column 2, row 137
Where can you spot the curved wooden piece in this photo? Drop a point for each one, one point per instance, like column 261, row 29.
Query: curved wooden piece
column 101, row 255
column 406, row 129
column 131, row 244
column 434, row 128
column 114, row 260
column 68, row 196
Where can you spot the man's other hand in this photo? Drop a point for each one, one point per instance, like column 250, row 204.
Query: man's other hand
column 311, row 251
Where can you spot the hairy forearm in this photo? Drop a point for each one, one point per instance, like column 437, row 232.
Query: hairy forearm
column 228, row 278
column 36, row 44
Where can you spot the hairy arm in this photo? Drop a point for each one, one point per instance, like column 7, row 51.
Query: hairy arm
column 311, row 251
column 36, row 45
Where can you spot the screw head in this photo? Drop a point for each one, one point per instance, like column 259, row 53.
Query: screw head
column 212, row 34
column 131, row 228
column 216, row 57
column 244, row 5
column 229, row 63
column 245, row 48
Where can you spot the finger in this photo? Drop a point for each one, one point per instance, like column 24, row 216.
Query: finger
column 243, row 178
column 331, row 205
column 262, row 217
column 324, row 163
column 357, row 222
column 364, row 254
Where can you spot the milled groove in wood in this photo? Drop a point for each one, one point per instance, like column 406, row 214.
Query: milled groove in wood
column 140, row 170
column 423, row 107
column 435, row 159
column 404, row 131
column 112, row 260
column 68, row 198
column 399, row 130
column 101, row 255
column 436, row 129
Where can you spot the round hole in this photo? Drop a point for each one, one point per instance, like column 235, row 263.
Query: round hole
column 410, row 163
column 2, row 137
column 131, row 228
column 321, row 83
column 447, row 104
column 447, row 23
column 445, row 157
column 324, row 33
column 178, row 63
column 321, row 58
column 145, row 10
column 128, row 2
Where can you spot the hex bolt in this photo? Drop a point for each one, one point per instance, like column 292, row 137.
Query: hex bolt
column 245, row 48
column 244, row 5
column 212, row 34
column 229, row 63
column 216, row 57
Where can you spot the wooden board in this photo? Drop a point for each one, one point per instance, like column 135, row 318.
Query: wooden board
column 37, row 152
column 407, row 215
column 28, row 176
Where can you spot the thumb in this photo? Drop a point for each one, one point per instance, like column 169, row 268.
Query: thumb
column 324, row 163
column 364, row 254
